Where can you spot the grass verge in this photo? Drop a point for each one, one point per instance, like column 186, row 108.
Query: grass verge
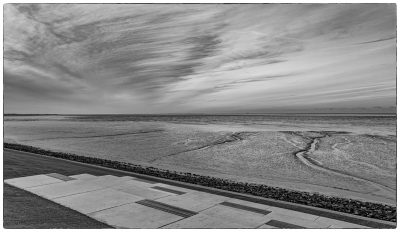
column 19, row 205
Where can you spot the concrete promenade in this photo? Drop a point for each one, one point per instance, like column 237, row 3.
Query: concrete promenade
column 128, row 202
column 132, row 202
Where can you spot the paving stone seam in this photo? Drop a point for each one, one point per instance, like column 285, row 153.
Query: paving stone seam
column 200, row 212
column 158, row 198
column 30, row 186
column 77, row 193
column 183, row 218
column 111, row 207
column 94, row 218
column 260, row 225
column 265, row 223
column 315, row 219
column 206, row 208
column 102, row 188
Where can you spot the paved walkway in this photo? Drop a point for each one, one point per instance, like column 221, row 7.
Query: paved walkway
column 129, row 202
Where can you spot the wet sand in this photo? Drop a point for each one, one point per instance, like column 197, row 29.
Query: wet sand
column 354, row 160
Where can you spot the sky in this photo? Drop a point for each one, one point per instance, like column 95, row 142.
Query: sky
column 198, row 58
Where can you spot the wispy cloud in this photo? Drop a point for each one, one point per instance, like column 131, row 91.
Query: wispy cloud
column 131, row 58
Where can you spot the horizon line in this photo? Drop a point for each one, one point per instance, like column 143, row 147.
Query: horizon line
column 203, row 114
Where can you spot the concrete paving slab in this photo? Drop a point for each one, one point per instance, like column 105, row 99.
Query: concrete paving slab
column 194, row 201
column 97, row 200
column 64, row 189
column 145, row 192
column 135, row 216
column 76, row 186
column 126, row 178
column 186, row 190
column 128, row 202
column 145, row 181
column 202, row 221
column 265, row 226
column 141, row 183
column 83, row 176
column 338, row 224
column 296, row 221
column 250, row 204
column 32, row 181
column 168, row 190
column 129, row 177
column 108, row 180
column 296, row 214
column 245, row 218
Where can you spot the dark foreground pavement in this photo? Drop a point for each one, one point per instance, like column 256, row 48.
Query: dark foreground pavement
column 22, row 209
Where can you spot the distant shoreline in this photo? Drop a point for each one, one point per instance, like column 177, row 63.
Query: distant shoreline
column 250, row 114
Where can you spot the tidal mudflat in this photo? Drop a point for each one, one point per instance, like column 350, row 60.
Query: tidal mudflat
column 352, row 156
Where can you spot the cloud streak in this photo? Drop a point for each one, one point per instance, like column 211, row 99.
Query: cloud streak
column 131, row 58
